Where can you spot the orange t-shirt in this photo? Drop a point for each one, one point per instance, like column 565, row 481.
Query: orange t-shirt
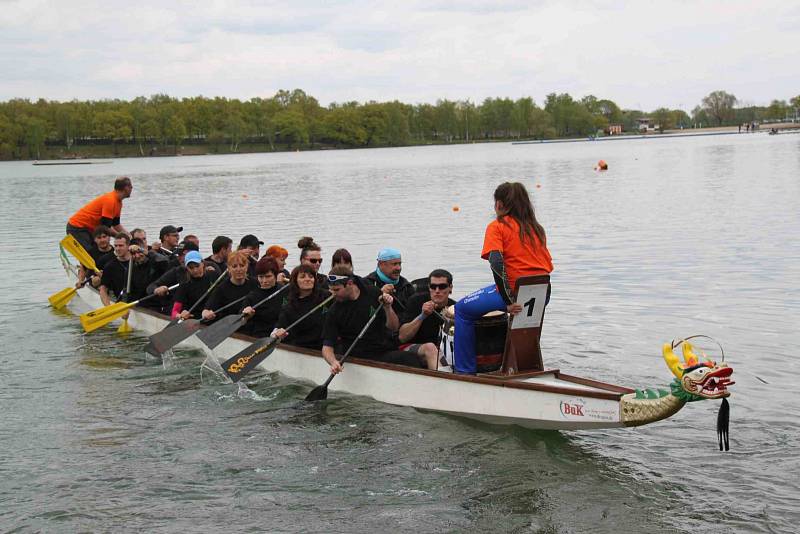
column 521, row 258
column 107, row 205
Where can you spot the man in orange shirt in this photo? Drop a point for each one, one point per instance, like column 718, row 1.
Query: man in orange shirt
column 105, row 209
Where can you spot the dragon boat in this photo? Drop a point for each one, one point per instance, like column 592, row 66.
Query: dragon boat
column 521, row 392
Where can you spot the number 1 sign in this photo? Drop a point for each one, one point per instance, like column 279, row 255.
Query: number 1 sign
column 532, row 298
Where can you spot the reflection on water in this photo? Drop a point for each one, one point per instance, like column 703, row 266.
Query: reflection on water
column 678, row 237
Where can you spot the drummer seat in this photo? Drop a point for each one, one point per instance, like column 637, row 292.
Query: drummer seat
column 523, row 352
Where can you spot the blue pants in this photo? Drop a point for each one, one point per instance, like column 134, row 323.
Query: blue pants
column 468, row 310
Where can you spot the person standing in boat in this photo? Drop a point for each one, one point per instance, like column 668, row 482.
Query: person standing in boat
column 105, row 209
column 238, row 285
column 515, row 245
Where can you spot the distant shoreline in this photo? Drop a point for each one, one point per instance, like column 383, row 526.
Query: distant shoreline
column 56, row 153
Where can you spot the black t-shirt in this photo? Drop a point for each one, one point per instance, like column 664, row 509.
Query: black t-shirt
column 101, row 258
column 115, row 276
column 158, row 278
column 429, row 329
column 346, row 319
column 188, row 293
column 227, row 292
column 220, row 266
column 262, row 323
column 403, row 291
column 308, row 332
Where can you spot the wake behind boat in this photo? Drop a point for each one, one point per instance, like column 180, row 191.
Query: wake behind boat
column 531, row 398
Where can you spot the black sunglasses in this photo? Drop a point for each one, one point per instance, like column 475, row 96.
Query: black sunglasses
column 312, row 260
column 439, row 286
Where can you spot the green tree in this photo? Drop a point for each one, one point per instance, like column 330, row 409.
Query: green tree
column 175, row 131
column 663, row 119
column 342, row 126
column 291, row 127
column 36, row 132
column 777, row 110
column 718, row 106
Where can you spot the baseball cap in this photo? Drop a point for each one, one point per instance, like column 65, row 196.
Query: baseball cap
column 193, row 257
column 169, row 229
column 250, row 241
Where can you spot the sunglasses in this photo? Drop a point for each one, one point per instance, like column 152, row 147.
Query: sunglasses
column 312, row 260
column 441, row 287
column 338, row 279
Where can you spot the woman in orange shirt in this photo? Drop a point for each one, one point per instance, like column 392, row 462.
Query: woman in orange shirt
column 515, row 245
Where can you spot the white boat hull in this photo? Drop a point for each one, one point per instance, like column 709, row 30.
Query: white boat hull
column 546, row 401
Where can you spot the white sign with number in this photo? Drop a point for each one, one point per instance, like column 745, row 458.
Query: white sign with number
column 532, row 298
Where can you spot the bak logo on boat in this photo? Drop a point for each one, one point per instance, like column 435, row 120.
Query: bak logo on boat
column 573, row 409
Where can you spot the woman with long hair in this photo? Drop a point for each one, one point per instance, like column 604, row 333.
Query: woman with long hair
column 304, row 294
column 515, row 245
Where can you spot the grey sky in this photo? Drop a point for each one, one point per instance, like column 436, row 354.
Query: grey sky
column 640, row 54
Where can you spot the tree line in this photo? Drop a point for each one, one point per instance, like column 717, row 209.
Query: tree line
column 293, row 119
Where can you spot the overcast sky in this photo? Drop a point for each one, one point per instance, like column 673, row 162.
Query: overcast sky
column 641, row 54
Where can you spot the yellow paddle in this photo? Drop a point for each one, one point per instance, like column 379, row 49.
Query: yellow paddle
column 60, row 299
column 76, row 249
column 95, row 319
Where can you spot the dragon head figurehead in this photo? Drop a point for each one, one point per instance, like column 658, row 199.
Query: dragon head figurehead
column 696, row 379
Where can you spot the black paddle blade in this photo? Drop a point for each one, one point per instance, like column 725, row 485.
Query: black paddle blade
column 318, row 393
column 242, row 363
column 219, row 331
column 172, row 335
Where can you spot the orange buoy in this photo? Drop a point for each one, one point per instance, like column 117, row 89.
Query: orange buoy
column 456, row 208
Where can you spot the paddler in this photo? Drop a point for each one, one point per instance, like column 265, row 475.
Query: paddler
column 105, row 209
column 515, row 245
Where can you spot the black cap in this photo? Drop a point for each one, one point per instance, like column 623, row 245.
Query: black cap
column 186, row 246
column 250, row 241
column 169, row 229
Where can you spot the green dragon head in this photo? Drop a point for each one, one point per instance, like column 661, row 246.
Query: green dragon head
column 697, row 380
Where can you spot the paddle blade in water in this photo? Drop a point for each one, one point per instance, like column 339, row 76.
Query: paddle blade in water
column 219, row 331
column 242, row 363
column 172, row 335
column 60, row 300
column 318, row 393
column 95, row 319
column 124, row 328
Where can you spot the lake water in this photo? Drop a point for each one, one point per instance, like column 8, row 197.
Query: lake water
column 679, row 237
